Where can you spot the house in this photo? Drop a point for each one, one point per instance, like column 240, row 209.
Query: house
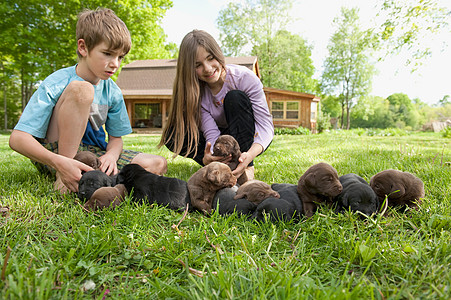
column 147, row 89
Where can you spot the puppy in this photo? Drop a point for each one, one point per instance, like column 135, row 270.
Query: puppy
column 319, row 184
column 288, row 192
column 204, row 184
column 88, row 158
column 226, row 204
column 401, row 188
column 91, row 181
column 227, row 145
column 255, row 191
column 357, row 195
column 152, row 188
column 277, row 209
column 105, row 197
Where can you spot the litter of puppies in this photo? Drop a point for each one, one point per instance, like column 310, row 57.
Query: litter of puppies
column 215, row 188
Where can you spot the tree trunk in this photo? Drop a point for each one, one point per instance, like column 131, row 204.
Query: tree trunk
column 348, row 119
column 5, row 106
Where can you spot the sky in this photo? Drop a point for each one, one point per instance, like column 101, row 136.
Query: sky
column 312, row 21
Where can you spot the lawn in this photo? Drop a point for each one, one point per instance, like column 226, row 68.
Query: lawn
column 53, row 249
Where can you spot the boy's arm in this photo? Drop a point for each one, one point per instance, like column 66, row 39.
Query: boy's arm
column 68, row 169
column 113, row 151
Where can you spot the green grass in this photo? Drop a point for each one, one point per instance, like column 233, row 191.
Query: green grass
column 134, row 253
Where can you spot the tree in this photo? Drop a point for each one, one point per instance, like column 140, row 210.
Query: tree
column 445, row 100
column 259, row 28
column 406, row 23
column 347, row 70
column 38, row 38
column 372, row 112
column 286, row 63
column 246, row 24
column 404, row 110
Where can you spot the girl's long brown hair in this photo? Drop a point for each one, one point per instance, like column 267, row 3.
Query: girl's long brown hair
column 184, row 111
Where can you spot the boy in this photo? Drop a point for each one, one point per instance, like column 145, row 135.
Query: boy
column 66, row 114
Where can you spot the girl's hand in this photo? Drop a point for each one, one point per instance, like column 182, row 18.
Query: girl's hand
column 208, row 157
column 244, row 160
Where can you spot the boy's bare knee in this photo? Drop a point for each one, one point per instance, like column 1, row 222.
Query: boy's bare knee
column 153, row 163
column 80, row 91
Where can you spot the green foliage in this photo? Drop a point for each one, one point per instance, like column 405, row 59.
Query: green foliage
column 277, row 71
column 259, row 28
column 322, row 121
column 408, row 25
column 372, row 112
column 291, row 131
column 57, row 248
column 446, row 133
column 246, row 24
column 330, row 105
column 404, row 112
column 372, row 132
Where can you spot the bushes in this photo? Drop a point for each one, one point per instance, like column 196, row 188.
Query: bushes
column 446, row 132
column 291, row 131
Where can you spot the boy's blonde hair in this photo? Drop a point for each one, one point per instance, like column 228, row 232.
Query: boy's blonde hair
column 102, row 25
column 184, row 113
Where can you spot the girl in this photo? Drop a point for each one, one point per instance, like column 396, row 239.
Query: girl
column 211, row 98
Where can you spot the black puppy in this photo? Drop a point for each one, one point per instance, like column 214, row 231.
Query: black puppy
column 226, row 204
column 278, row 209
column 287, row 207
column 151, row 188
column 288, row 192
column 93, row 180
column 357, row 195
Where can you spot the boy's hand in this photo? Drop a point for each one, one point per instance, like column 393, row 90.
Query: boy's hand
column 208, row 157
column 69, row 173
column 108, row 164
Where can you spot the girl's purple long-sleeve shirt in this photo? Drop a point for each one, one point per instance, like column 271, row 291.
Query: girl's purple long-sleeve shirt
column 212, row 108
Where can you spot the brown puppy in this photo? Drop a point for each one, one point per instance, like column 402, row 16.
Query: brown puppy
column 203, row 184
column 227, row 145
column 255, row 191
column 401, row 188
column 105, row 197
column 319, row 184
column 88, row 158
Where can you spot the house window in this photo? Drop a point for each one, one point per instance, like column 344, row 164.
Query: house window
column 277, row 110
column 292, row 109
column 147, row 114
column 285, row 110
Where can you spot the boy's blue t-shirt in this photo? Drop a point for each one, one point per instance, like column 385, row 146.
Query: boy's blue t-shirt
column 108, row 108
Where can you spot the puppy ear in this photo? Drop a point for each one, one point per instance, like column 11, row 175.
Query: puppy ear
column 310, row 180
